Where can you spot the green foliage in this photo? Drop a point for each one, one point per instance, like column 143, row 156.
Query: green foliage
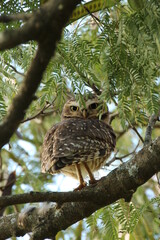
column 13, row 6
column 109, row 223
column 120, row 57
column 121, row 218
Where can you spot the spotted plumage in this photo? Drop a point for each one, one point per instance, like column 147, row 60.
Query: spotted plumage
column 80, row 143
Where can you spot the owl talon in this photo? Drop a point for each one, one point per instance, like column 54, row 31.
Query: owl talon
column 94, row 181
column 82, row 185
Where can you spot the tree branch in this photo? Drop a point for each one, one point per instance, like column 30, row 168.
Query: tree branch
column 138, row 134
column 14, row 69
column 120, row 183
column 41, row 112
column 16, row 17
column 59, row 197
column 46, row 22
column 151, row 124
column 45, row 26
column 121, row 158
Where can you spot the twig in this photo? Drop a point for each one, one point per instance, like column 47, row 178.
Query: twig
column 140, row 137
column 95, row 89
column 116, row 104
column 128, row 154
column 151, row 124
column 39, row 113
column 121, row 158
column 95, row 18
column 11, row 66
column 112, row 160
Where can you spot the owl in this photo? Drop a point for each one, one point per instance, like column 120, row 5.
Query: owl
column 81, row 143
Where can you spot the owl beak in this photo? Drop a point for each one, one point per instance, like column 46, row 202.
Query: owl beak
column 84, row 113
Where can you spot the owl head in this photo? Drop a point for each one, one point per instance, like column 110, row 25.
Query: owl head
column 92, row 108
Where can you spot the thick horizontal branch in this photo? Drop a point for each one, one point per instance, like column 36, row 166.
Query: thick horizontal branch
column 46, row 26
column 58, row 197
column 120, row 183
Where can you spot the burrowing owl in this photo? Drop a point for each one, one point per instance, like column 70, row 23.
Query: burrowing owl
column 80, row 143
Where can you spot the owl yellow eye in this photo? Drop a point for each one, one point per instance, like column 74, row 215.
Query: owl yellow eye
column 74, row 108
column 93, row 106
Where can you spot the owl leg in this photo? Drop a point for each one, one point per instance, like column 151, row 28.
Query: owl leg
column 91, row 176
column 80, row 177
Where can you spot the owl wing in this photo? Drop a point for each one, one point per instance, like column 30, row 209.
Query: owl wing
column 76, row 140
column 47, row 157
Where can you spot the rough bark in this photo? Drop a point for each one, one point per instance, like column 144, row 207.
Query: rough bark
column 120, row 183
